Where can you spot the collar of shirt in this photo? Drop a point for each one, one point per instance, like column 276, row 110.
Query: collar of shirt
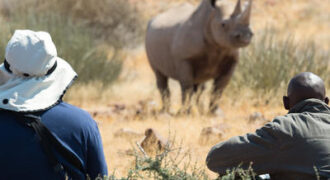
column 311, row 105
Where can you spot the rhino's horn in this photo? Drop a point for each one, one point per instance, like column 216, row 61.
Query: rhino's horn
column 237, row 10
column 245, row 16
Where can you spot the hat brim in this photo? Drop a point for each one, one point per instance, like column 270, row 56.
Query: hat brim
column 33, row 94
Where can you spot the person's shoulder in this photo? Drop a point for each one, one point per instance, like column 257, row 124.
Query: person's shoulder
column 279, row 123
column 69, row 113
column 293, row 119
column 72, row 108
column 291, row 124
column 281, row 120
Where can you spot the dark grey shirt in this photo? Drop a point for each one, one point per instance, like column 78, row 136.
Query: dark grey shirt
column 293, row 146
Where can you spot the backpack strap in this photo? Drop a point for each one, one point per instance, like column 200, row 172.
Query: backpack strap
column 48, row 141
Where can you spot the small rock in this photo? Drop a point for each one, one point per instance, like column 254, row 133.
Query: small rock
column 117, row 108
column 127, row 152
column 256, row 116
column 101, row 113
column 212, row 133
column 153, row 142
column 146, row 107
column 218, row 113
column 128, row 133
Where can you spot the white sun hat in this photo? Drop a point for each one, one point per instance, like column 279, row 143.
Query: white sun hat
column 32, row 77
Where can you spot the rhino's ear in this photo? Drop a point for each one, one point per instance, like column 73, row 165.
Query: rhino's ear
column 213, row 3
column 217, row 12
column 238, row 10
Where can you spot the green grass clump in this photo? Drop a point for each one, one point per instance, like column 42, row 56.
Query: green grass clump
column 175, row 164
column 269, row 63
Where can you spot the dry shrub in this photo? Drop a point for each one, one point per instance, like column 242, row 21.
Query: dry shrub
column 115, row 21
column 90, row 35
column 270, row 62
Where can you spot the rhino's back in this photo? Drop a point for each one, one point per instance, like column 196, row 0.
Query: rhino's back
column 160, row 33
column 173, row 16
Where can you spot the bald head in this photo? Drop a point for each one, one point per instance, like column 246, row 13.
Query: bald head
column 303, row 86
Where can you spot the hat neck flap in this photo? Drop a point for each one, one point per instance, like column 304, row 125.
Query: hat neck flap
column 32, row 94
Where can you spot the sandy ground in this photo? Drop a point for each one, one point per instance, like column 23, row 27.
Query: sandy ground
column 132, row 105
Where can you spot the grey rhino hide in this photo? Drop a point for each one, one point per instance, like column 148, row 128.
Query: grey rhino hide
column 180, row 45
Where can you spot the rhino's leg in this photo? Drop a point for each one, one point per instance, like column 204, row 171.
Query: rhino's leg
column 162, row 85
column 187, row 86
column 218, row 87
column 187, row 92
column 198, row 91
column 221, row 81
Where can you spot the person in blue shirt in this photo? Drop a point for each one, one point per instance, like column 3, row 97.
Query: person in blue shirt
column 33, row 80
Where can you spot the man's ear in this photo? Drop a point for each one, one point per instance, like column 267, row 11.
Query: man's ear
column 326, row 100
column 286, row 102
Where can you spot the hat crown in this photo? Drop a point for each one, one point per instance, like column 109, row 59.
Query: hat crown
column 30, row 52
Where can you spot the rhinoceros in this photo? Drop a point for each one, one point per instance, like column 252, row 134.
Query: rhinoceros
column 196, row 44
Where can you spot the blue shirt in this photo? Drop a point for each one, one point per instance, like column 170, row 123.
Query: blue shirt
column 22, row 156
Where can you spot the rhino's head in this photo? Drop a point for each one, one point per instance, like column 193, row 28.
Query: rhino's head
column 233, row 32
